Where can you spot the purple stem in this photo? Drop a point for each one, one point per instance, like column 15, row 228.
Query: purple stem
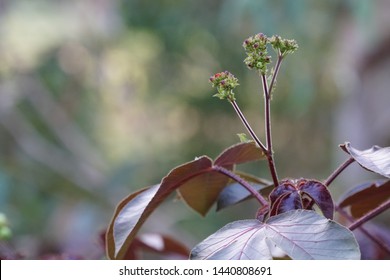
column 373, row 213
column 337, row 172
column 269, row 154
column 277, row 67
column 247, row 125
column 379, row 242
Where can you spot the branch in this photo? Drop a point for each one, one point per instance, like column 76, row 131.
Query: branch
column 373, row 213
column 277, row 67
column 247, row 125
column 337, row 172
column 379, row 242
column 267, row 104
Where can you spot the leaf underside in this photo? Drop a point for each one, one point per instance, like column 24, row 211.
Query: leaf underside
column 375, row 159
column 301, row 234
column 199, row 186
column 132, row 212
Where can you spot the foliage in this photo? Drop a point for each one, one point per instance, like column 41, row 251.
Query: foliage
column 296, row 217
column 98, row 98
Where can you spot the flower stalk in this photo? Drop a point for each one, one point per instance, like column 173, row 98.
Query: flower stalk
column 258, row 59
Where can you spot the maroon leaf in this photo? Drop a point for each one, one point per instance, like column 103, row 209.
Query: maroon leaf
column 375, row 159
column 201, row 192
column 110, row 244
column 284, row 188
column 239, row 153
column 234, row 193
column 132, row 212
column 366, row 197
column 289, row 201
column 301, row 234
column 262, row 213
column 290, row 194
column 321, row 196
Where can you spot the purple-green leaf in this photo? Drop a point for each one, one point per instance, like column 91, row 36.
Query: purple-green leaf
column 132, row 212
column 366, row 197
column 300, row 234
column 375, row 159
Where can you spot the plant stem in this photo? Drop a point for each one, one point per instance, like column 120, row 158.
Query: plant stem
column 337, row 172
column 269, row 154
column 277, row 67
column 373, row 213
column 242, row 182
column 379, row 242
column 247, row 125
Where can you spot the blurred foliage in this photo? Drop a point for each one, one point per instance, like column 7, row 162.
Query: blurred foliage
column 100, row 98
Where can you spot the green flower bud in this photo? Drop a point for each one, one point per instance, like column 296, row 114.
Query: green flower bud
column 225, row 82
column 285, row 46
column 256, row 51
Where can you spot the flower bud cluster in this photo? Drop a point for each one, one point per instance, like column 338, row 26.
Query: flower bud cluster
column 285, row 46
column 225, row 82
column 256, row 50
column 257, row 58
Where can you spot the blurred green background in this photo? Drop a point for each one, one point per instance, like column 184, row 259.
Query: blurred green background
column 99, row 98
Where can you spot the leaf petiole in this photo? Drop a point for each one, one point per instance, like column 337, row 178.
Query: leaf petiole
column 242, row 182
column 337, row 172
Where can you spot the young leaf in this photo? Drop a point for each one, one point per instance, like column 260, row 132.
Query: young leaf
column 285, row 202
column 289, row 195
column 135, row 209
column 321, row 196
column 375, row 159
column 366, row 197
column 239, row 153
column 243, row 137
column 301, row 234
column 234, row 193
